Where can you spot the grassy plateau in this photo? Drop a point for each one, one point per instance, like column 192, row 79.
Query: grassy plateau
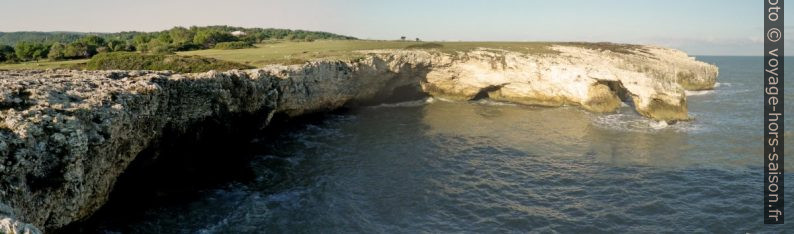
column 288, row 52
column 301, row 52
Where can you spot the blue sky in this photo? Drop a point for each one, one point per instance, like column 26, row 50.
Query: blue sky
column 702, row 27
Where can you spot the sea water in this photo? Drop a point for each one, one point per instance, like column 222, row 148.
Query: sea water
column 438, row 166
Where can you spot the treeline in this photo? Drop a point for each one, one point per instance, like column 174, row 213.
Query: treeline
column 12, row 38
column 29, row 46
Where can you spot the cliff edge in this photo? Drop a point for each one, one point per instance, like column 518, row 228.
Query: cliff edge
column 66, row 136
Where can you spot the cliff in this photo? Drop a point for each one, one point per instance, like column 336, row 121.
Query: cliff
column 66, row 136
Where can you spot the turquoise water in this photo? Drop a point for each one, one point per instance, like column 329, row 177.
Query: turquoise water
column 438, row 166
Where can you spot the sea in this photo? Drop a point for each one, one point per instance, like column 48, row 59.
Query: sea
column 439, row 166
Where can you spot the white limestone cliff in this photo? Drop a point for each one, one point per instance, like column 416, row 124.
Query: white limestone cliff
column 66, row 136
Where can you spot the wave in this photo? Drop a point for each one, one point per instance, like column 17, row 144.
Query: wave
column 706, row 92
column 414, row 103
column 659, row 125
column 632, row 122
column 698, row 93
column 489, row 102
column 718, row 84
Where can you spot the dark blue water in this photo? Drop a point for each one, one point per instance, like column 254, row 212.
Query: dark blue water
column 437, row 166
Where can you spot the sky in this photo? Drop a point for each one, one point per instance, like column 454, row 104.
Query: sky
column 699, row 27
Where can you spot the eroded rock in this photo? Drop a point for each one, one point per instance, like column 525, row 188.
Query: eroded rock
column 65, row 136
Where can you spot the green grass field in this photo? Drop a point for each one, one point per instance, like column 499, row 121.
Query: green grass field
column 286, row 52
column 300, row 52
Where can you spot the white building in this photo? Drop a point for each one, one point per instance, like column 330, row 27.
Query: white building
column 238, row 33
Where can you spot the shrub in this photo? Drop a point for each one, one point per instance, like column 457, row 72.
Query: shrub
column 180, row 35
column 79, row 50
column 209, row 37
column 57, row 51
column 186, row 46
column 425, row 46
column 233, row 45
column 119, row 45
column 158, row 46
column 138, row 61
column 608, row 46
column 7, row 54
column 31, row 51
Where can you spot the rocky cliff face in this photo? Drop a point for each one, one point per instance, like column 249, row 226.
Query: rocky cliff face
column 653, row 78
column 66, row 136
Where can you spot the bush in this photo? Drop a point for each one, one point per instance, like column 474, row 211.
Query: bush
column 233, row 45
column 31, row 51
column 425, row 46
column 158, row 46
column 7, row 54
column 209, row 37
column 57, row 51
column 186, row 46
column 138, row 61
column 79, row 50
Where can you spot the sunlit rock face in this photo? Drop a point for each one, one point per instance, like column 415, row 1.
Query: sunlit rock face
column 653, row 78
column 66, row 136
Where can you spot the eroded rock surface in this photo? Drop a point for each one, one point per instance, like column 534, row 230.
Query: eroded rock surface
column 65, row 136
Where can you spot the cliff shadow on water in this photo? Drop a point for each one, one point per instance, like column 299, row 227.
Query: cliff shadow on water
column 178, row 167
column 185, row 162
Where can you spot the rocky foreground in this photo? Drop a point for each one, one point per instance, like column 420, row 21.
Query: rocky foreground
column 66, row 136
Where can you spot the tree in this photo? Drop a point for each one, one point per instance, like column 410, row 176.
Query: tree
column 140, row 42
column 78, row 50
column 164, row 38
column 93, row 44
column 210, row 37
column 40, row 52
column 181, row 36
column 31, row 51
column 117, row 45
column 158, row 46
column 93, row 40
column 24, row 50
column 7, row 53
column 57, row 51
column 402, row 38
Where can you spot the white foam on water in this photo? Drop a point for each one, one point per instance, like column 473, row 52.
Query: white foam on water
column 414, row 103
column 659, row 125
column 718, row 84
column 489, row 102
column 698, row 93
column 633, row 122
